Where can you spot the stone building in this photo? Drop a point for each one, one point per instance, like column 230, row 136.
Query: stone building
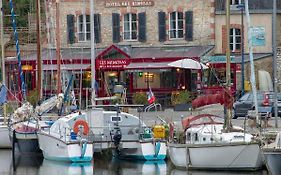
column 261, row 22
column 135, row 40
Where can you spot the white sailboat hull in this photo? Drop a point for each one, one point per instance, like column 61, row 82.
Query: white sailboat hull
column 144, row 150
column 216, row 156
column 56, row 149
column 4, row 137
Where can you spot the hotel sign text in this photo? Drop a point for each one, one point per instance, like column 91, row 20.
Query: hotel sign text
column 120, row 3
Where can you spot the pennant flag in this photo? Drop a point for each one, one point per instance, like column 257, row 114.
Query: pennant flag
column 150, row 97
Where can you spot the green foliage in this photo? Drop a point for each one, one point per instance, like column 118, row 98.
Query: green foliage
column 181, row 97
column 22, row 8
column 32, row 97
column 140, row 98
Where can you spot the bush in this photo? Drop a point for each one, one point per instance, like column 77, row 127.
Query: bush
column 140, row 98
column 181, row 97
column 32, row 97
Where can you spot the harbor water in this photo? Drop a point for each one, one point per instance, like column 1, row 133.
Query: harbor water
column 32, row 164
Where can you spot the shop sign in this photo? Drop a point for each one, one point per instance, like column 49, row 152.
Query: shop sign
column 217, row 59
column 112, row 63
column 128, row 3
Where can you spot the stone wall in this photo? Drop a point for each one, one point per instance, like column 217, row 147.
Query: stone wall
column 203, row 20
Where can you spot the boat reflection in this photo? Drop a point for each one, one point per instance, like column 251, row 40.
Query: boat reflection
column 58, row 168
column 23, row 164
column 175, row 171
column 124, row 167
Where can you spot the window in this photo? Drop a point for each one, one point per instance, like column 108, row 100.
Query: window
column 235, row 2
column 235, row 39
column 130, row 26
column 176, row 25
column 84, row 28
column 116, row 119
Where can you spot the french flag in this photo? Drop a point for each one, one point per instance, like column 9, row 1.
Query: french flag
column 150, row 97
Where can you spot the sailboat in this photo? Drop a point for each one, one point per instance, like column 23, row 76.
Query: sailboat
column 211, row 143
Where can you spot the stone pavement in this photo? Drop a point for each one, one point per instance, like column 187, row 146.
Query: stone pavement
column 169, row 115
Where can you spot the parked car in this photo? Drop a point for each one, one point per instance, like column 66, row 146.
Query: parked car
column 246, row 103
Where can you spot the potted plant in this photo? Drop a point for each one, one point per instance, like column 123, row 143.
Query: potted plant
column 140, row 98
column 181, row 100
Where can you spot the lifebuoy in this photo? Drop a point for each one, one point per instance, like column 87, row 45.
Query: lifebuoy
column 84, row 124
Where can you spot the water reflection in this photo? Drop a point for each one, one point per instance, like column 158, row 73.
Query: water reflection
column 36, row 165
column 124, row 167
column 175, row 171
column 59, row 168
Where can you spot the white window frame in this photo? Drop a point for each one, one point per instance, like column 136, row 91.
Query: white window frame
column 177, row 28
column 130, row 30
column 83, row 31
column 233, row 40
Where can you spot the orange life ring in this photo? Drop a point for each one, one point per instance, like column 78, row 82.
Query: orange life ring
column 84, row 124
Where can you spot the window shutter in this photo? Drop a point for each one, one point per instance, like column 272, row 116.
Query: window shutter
column 97, row 29
column 162, row 26
column 70, row 28
column 115, row 27
column 142, row 27
column 188, row 25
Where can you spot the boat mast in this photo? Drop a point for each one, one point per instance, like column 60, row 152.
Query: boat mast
column 250, row 46
column 227, row 120
column 3, row 56
column 39, row 60
column 274, row 61
column 58, row 53
column 23, row 88
column 93, row 57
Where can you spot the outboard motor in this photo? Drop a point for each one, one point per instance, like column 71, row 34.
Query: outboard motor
column 117, row 137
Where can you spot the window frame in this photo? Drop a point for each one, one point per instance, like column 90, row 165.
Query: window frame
column 177, row 29
column 233, row 40
column 83, row 31
column 130, row 30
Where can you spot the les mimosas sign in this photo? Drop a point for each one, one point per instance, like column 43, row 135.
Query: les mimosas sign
column 116, row 63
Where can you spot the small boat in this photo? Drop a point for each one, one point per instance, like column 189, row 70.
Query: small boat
column 127, row 134
column 66, row 140
column 272, row 154
column 145, row 148
column 206, row 146
column 23, row 127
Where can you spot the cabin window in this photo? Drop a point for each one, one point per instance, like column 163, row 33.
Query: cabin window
column 84, row 28
column 235, row 2
column 195, row 137
column 176, row 25
column 204, row 139
column 188, row 136
column 235, row 39
column 130, row 26
column 116, row 119
column 212, row 139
